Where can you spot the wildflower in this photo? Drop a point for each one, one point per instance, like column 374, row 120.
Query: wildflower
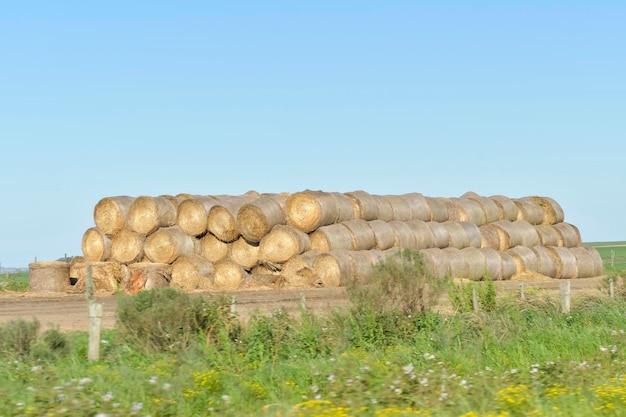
column 226, row 398
column 429, row 356
column 36, row 368
column 84, row 381
column 153, row 380
column 167, row 386
column 331, row 377
column 136, row 407
column 408, row 369
column 107, row 397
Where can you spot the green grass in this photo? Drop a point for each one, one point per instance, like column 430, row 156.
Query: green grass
column 14, row 282
column 613, row 253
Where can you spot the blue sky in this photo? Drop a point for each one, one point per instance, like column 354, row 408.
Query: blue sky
column 151, row 98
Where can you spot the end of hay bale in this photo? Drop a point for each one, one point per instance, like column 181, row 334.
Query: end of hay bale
column 49, row 276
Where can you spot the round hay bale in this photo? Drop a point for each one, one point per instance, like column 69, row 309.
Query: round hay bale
column 570, row 235
column 529, row 210
column 490, row 208
column 127, row 246
column 168, row 243
column 490, row 238
column 384, row 208
column 525, row 259
column 400, row 207
column 96, row 245
column 49, row 276
column 192, row 273
column 345, row 207
column 334, row 269
column 458, row 264
column 457, row 235
column 493, row 263
column 212, row 249
column 363, row 264
column 283, row 242
column 364, row 205
column 377, row 255
column 476, row 263
column 298, row 270
column 331, row 237
column 516, row 233
column 548, row 235
column 258, row 217
column 552, row 211
column 403, row 235
column 509, row 267
column 438, row 211
column 547, row 263
column 309, row 210
column 473, row 234
column 567, row 266
column 436, row 262
column 418, row 204
column 585, row 265
column 245, row 253
column 384, row 235
column 110, row 213
column 363, row 237
column 105, row 276
column 262, row 282
column 193, row 214
column 470, row 211
column 147, row 214
column 440, row 234
column 423, row 234
column 228, row 275
column 596, row 259
column 508, row 208
column 451, row 208
column 147, row 275
column 222, row 217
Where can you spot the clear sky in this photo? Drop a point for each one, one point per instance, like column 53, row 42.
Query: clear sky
column 135, row 98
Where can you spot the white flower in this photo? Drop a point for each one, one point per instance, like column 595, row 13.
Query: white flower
column 84, row 381
column 331, row 377
column 136, row 407
column 107, row 397
column 226, row 398
column 167, row 386
column 153, row 380
column 408, row 369
column 429, row 356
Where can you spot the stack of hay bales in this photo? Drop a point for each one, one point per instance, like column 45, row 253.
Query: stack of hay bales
column 324, row 239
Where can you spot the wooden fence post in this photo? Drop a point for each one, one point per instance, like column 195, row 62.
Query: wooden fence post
column 565, row 296
column 95, row 319
column 474, row 299
column 522, row 296
column 611, row 288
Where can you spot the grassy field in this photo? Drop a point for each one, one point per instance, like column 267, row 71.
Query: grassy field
column 613, row 253
column 389, row 354
column 14, row 282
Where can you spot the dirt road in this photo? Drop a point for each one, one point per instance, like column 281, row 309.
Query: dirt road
column 68, row 311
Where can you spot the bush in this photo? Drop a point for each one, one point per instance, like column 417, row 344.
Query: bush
column 462, row 298
column 165, row 319
column 17, row 337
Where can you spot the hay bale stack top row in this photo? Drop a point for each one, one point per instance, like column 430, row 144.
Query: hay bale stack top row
column 254, row 240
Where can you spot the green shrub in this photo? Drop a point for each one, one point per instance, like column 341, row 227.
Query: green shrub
column 165, row 319
column 17, row 337
column 462, row 298
column 52, row 344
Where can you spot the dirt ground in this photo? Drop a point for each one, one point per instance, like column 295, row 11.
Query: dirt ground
column 68, row 311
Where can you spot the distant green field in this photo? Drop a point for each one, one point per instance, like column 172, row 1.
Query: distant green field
column 14, row 282
column 612, row 253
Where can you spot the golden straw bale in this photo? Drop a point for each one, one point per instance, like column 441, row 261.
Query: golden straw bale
column 490, row 208
column 331, row 237
column 508, row 208
column 547, row 263
column 473, row 233
column 308, row 210
column 222, row 217
column 529, row 210
column 440, row 233
column 262, row 282
column 283, row 242
column 458, row 264
column 193, row 214
column 96, row 245
column 298, row 270
column 257, row 217
column 423, row 234
column 585, row 265
column 228, row 275
column 570, row 235
column 436, row 262
column 245, row 253
column 400, row 207
column 110, row 213
column 476, row 263
column 509, row 266
column 525, row 259
column 192, row 272
column 516, row 233
column 490, row 238
column 548, row 235
column 146, row 275
column 451, row 208
column 552, row 211
column 127, row 246
column 567, row 266
column 438, row 211
column 49, row 276
column 212, row 249
column 105, row 276
column 334, row 269
column 364, row 205
column 168, row 243
column 385, row 209
column 596, row 259
column 493, row 263
column 470, row 211
column 420, row 210
column 457, row 235
column 147, row 214
column 384, row 235
column 363, row 264
column 345, row 207
column 404, row 237
column 363, row 237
